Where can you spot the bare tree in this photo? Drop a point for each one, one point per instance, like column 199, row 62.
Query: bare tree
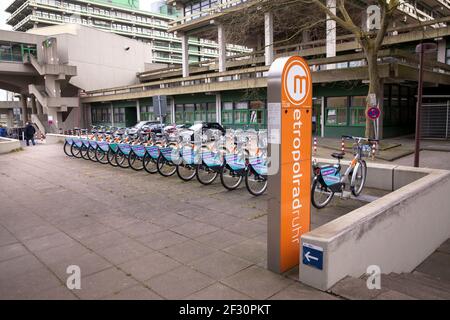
column 370, row 42
column 293, row 17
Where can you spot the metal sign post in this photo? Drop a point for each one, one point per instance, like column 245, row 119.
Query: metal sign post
column 290, row 134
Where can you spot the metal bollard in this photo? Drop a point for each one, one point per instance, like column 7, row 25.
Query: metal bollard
column 343, row 145
column 315, row 145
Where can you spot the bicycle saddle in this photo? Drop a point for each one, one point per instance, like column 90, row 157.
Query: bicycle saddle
column 338, row 155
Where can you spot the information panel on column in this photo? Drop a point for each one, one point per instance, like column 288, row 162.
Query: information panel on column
column 290, row 132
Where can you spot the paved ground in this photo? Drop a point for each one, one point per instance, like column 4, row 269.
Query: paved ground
column 133, row 235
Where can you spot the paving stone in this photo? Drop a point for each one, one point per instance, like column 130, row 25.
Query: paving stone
column 220, row 265
column 170, row 220
column 445, row 247
column 61, row 253
column 217, row 291
column 256, row 282
column 250, row 250
column 12, row 251
column 161, row 240
column 221, row 239
column 247, row 228
column 149, row 266
column 187, row 251
column 179, row 283
column 104, row 283
column 12, row 268
column 115, row 221
column 35, row 232
column 6, row 237
column 89, row 231
column 194, row 229
column 138, row 292
column 28, row 284
column 57, row 293
column 139, row 229
column 104, row 240
column 124, row 252
column 89, row 263
column 49, row 241
column 298, row 291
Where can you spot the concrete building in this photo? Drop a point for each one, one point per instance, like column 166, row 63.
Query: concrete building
column 145, row 20
column 51, row 67
column 232, row 90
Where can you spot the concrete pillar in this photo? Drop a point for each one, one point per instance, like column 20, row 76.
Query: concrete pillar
column 138, row 110
column 33, row 105
column 10, row 118
column 322, row 117
column 222, row 48
column 24, row 104
column 185, row 54
column 112, row 115
column 219, row 108
column 172, row 108
column 268, row 38
column 331, row 34
column 39, row 108
column 442, row 44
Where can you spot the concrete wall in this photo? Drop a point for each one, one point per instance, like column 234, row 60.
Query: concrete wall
column 100, row 57
column 396, row 232
column 7, row 145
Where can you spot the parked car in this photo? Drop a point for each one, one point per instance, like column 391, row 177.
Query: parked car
column 153, row 126
column 202, row 128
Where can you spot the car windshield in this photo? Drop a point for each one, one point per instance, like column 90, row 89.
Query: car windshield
column 196, row 127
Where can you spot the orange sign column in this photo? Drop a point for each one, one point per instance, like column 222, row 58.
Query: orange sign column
column 290, row 132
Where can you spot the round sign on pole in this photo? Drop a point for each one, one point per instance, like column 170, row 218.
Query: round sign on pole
column 373, row 113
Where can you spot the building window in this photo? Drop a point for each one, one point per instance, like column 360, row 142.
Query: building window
column 447, row 55
column 358, row 111
column 336, row 111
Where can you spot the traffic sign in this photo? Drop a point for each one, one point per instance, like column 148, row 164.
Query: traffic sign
column 373, row 113
column 312, row 255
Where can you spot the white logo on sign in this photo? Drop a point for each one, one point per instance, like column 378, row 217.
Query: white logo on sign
column 374, row 279
column 297, row 83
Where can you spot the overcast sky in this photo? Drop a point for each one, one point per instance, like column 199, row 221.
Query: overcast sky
column 4, row 15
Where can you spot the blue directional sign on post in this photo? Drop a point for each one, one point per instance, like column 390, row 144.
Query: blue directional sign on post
column 312, row 255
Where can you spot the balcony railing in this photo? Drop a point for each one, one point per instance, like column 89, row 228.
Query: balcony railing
column 355, row 60
column 220, row 7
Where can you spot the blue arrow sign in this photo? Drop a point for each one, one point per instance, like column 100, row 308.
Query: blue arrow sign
column 312, row 255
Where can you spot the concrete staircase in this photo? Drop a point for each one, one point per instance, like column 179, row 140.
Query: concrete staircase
column 429, row 281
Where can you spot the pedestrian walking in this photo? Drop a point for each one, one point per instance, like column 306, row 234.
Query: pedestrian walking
column 29, row 134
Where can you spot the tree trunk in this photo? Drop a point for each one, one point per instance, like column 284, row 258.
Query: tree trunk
column 374, row 85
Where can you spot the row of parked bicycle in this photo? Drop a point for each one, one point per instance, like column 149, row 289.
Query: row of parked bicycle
column 203, row 151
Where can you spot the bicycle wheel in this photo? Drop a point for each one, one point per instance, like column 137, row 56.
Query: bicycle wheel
column 256, row 184
column 320, row 195
column 111, row 156
column 91, row 154
column 230, row 180
column 358, row 178
column 84, row 152
column 67, row 148
column 136, row 163
column 75, row 151
column 186, row 172
column 205, row 175
column 101, row 156
column 164, row 167
column 150, row 164
column 122, row 159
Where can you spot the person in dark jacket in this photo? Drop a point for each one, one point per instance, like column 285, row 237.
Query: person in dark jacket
column 29, row 133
